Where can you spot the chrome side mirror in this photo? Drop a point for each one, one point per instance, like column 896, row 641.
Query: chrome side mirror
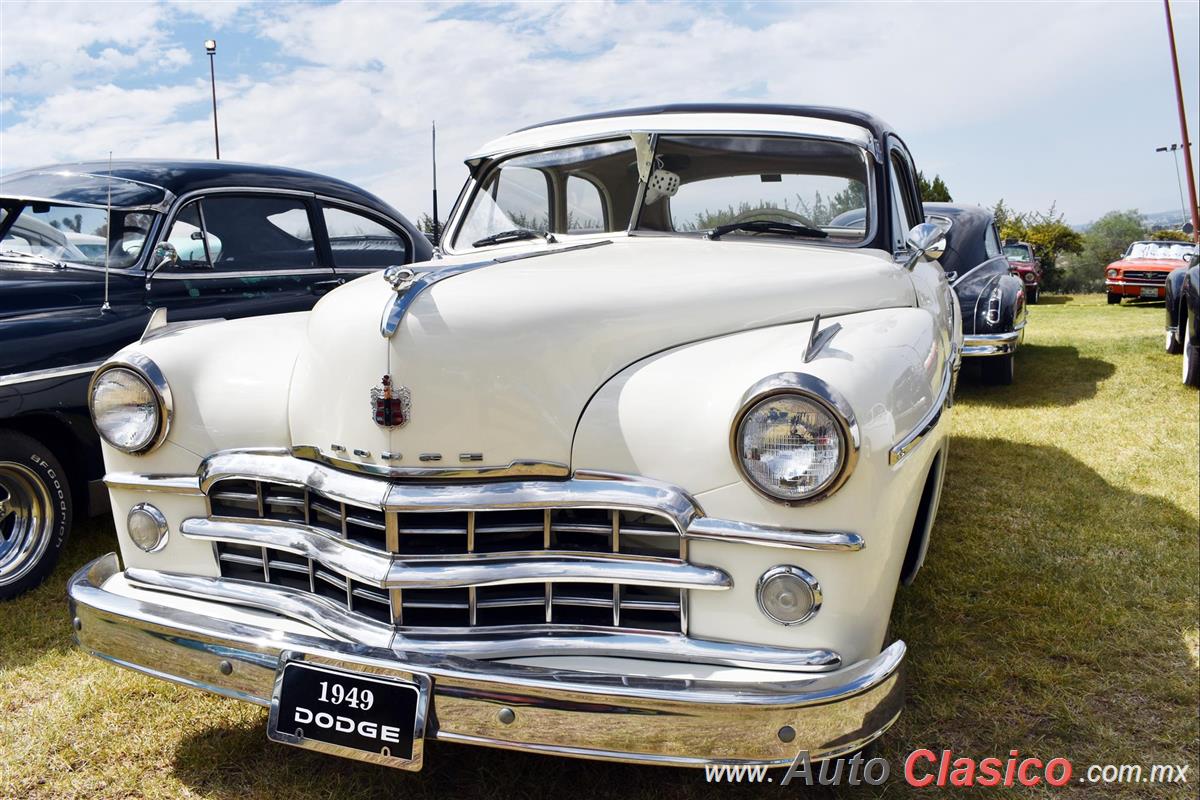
column 165, row 255
column 928, row 241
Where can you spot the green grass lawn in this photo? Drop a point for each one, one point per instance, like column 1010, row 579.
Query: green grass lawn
column 1057, row 614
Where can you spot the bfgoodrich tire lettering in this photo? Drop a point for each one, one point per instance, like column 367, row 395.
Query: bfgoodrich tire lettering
column 35, row 513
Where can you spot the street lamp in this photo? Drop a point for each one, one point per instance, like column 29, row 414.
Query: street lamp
column 210, row 47
column 1174, row 149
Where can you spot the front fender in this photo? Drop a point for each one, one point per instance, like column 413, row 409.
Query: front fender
column 1174, row 296
column 668, row 417
column 230, row 382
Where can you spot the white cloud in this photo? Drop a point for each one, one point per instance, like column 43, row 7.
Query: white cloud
column 372, row 77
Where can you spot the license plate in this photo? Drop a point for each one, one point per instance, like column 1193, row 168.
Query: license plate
column 1149, row 291
column 352, row 714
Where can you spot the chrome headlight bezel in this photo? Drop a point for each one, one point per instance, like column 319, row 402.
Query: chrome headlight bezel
column 148, row 372
column 813, row 389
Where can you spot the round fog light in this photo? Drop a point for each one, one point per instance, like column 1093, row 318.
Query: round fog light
column 788, row 595
column 147, row 527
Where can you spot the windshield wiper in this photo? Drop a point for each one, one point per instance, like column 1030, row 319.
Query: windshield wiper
column 767, row 226
column 515, row 235
column 32, row 257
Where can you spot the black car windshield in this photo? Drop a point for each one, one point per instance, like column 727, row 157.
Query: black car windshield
column 72, row 234
column 739, row 184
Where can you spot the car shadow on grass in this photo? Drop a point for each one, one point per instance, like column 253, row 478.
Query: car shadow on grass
column 1056, row 614
column 1045, row 375
column 1054, row 299
column 1053, row 615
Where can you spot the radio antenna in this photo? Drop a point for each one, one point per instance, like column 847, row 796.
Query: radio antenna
column 108, row 232
column 437, row 232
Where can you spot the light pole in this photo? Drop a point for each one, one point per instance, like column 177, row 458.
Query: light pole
column 1174, row 149
column 1194, row 208
column 210, row 47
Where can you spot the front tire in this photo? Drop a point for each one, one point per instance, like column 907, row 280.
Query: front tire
column 35, row 513
column 1172, row 344
column 1032, row 295
column 997, row 370
column 1191, row 358
column 1113, row 298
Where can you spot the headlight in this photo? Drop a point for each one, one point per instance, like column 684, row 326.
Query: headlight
column 147, row 527
column 1031, row 277
column 131, row 404
column 1112, row 273
column 795, row 439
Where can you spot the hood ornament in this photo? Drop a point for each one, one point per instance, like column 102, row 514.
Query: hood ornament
column 391, row 406
column 400, row 278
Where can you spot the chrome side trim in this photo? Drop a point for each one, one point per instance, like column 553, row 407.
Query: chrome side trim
column 14, row 378
column 621, row 717
column 724, row 530
column 175, row 484
column 482, row 643
column 446, row 572
column 991, row 344
column 910, row 442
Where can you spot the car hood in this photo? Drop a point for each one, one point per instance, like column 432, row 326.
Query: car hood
column 501, row 361
column 1165, row 264
column 29, row 287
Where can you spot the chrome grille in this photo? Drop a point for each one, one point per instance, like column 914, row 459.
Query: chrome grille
column 1149, row 276
column 414, row 536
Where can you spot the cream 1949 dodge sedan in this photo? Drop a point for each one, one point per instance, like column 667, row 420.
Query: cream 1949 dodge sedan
column 631, row 472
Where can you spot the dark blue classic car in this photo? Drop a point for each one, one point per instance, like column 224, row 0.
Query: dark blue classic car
column 1183, row 318
column 990, row 293
column 89, row 251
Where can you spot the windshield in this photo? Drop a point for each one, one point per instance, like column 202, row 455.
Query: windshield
column 739, row 185
column 1180, row 250
column 1017, row 252
column 701, row 182
column 73, row 234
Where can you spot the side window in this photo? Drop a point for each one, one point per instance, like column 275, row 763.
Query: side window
column 251, row 232
column 187, row 237
column 905, row 211
column 359, row 241
column 585, row 206
column 991, row 241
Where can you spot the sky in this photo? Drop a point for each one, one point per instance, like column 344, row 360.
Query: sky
column 1037, row 103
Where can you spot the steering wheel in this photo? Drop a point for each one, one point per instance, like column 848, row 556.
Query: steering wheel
column 767, row 212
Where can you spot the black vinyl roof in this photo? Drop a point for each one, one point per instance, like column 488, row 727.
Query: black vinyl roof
column 879, row 129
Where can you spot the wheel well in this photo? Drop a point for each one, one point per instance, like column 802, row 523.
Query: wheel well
column 918, row 540
column 73, row 443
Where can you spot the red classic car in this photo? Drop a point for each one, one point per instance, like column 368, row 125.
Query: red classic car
column 1143, row 270
column 1021, row 257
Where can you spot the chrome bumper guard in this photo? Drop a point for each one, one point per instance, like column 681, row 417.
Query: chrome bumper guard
column 650, row 720
column 991, row 344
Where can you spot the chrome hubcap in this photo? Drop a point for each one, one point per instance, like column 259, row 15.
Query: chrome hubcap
column 26, row 520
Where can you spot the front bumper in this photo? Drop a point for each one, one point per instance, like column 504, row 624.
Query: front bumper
column 654, row 720
column 991, row 344
column 1127, row 288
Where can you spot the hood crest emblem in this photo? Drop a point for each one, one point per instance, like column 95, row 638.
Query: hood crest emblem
column 391, row 406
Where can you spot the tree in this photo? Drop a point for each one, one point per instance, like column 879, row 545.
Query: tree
column 1104, row 243
column 1170, row 236
column 425, row 225
column 1049, row 234
column 935, row 192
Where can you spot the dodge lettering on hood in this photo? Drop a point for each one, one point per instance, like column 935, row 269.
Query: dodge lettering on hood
column 631, row 470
